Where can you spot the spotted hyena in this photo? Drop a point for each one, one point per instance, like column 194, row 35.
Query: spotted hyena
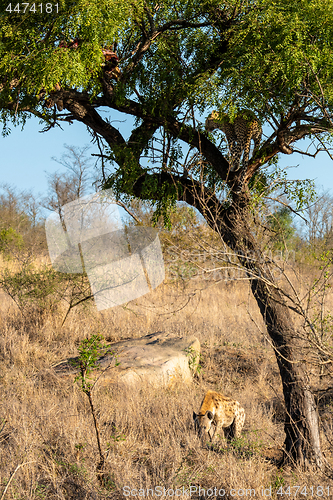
column 219, row 415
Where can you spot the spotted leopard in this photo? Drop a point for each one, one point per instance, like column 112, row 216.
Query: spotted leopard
column 239, row 132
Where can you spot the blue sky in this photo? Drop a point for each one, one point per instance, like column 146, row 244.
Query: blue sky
column 26, row 155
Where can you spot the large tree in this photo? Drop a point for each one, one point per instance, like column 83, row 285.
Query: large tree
column 177, row 60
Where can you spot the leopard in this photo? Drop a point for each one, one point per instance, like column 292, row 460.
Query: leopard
column 220, row 416
column 239, row 133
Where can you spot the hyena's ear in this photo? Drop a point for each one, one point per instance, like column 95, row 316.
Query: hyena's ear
column 210, row 415
column 194, row 415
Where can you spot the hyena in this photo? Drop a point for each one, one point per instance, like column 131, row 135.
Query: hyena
column 219, row 415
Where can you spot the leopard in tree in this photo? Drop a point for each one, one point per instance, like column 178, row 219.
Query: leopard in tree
column 240, row 132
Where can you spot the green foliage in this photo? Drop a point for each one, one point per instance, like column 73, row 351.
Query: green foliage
column 275, row 183
column 67, row 467
column 31, row 286
column 90, row 350
column 281, row 223
column 30, row 44
column 301, row 192
column 41, row 490
column 277, row 480
column 116, row 437
column 21, row 232
column 259, row 189
column 163, row 209
column 183, row 270
column 43, row 289
column 177, row 59
column 319, row 324
column 194, row 358
column 242, row 447
column 276, row 51
column 10, row 239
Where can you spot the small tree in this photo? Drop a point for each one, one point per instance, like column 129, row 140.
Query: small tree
column 90, row 350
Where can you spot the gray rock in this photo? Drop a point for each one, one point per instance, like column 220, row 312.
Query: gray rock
column 158, row 359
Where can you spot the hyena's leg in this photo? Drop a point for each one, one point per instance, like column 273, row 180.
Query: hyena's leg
column 220, row 432
column 239, row 422
column 212, row 431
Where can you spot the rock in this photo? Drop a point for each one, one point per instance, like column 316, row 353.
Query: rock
column 159, row 359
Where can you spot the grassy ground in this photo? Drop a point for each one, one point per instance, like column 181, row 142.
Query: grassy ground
column 47, row 442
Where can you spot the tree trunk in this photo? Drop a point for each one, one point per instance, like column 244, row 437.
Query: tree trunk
column 302, row 444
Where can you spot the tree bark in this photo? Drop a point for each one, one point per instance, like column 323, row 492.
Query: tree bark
column 302, row 443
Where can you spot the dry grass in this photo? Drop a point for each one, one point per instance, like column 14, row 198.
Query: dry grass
column 46, row 426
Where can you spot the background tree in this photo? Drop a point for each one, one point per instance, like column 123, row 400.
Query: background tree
column 65, row 187
column 281, row 224
column 21, row 224
column 318, row 229
column 175, row 61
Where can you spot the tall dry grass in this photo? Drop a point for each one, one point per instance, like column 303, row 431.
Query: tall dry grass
column 46, row 427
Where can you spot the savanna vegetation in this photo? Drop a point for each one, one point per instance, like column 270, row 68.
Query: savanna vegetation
column 147, row 437
column 166, row 66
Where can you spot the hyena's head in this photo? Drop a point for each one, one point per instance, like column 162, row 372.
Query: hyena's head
column 203, row 424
